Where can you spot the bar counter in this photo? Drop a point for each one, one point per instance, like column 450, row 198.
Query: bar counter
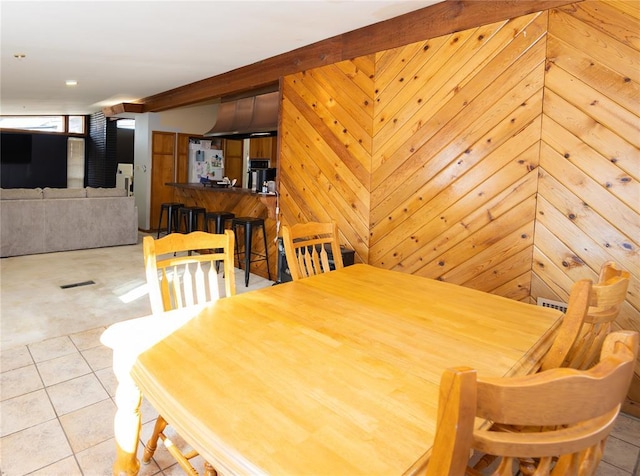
column 242, row 202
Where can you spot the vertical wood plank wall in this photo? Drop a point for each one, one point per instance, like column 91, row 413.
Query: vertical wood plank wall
column 504, row 158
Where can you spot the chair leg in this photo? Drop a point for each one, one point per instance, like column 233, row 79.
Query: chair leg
column 160, row 222
column 183, row 460
column 235, row 230
column 170, row 224
column 266, row 252
column 247, row 254
column 209, row 469
column 152, row 444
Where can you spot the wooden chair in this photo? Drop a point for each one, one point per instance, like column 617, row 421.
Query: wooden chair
column 305, row 245
column 567, row 335
column 175, row 280
column 591, row 311
column 606, row 298
column 578, row 408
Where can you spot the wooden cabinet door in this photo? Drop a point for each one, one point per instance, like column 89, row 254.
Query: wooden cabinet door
column 263, row 148
column 163, row 159
column 233, row 160
column 182, row 161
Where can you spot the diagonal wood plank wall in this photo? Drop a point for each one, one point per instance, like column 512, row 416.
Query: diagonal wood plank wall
column 504, row 158
column 589, row 196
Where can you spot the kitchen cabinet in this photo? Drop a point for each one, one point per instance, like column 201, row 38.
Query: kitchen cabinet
column 233, row 156
column 182, row 158
column 163, row 168
column 264, row 147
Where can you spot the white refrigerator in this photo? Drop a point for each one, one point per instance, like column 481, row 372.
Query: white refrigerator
column 206, row 161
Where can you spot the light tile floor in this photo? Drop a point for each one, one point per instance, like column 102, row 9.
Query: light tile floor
column 56, row 383
column 57, row 386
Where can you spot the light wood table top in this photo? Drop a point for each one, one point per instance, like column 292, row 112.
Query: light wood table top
column 332, row 375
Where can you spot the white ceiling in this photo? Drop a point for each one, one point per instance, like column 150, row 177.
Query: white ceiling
column 123, row 51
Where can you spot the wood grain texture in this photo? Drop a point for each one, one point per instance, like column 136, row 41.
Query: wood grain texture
column 436, row 20
column 308, row 382
column 325, row 153
column 504, row 157
column 242, row 205
column 589, row 205
column 163, row 166
column 589, row 193
column 441, row 141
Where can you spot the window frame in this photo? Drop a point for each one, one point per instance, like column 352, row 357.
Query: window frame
column 65, row 124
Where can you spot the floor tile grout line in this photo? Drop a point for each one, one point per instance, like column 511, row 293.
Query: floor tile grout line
column 64, row 432
column 46, row 388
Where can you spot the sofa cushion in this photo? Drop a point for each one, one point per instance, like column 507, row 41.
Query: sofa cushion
column 22, row 227
column 106, row 192
column 21, row 193
column 64, row 192
column 89, row 223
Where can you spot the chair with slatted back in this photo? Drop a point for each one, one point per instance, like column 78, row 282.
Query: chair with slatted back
column 572, row 322
column 306, row 246
column 577, row 407
column 564, row 341
column 176, row 280
column 587, row 322
column 606, row 298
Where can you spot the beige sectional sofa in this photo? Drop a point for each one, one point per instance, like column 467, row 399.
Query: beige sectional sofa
column 61, row 219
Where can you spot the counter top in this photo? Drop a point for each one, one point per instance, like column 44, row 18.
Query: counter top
column 236, row 190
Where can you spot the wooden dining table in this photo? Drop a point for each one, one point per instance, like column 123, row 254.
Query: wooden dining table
column 336, row 374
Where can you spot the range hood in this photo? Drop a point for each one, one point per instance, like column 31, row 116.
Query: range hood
column 251, row 117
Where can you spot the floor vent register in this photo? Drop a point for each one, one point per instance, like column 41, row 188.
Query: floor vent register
column 76, row 285
column 560, row 306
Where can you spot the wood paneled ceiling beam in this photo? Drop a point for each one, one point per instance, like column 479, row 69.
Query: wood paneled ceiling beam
column 440, row 19
column 124, row 107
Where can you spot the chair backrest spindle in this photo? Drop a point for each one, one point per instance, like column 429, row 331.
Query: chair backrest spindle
column 305, row 246
column 177, row 280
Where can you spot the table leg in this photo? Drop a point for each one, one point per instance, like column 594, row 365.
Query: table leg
column 129, row 339
column 127, row 420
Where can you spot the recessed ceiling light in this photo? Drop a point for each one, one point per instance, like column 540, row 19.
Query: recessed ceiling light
column 71, row 82
column 19, row 56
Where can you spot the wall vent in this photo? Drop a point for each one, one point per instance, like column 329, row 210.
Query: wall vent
column 560, row 306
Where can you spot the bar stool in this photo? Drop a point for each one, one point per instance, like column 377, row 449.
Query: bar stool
column 189, row 217
column 220, row 219
column 172, row 212
column 250, row 224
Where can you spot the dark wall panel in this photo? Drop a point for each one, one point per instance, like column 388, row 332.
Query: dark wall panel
column 124, row 146
column 47, row 168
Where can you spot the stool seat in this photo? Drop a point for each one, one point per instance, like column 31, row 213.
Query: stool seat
column 172, row 213
column 220, row 218
column 249, row 225
column 189, row 217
